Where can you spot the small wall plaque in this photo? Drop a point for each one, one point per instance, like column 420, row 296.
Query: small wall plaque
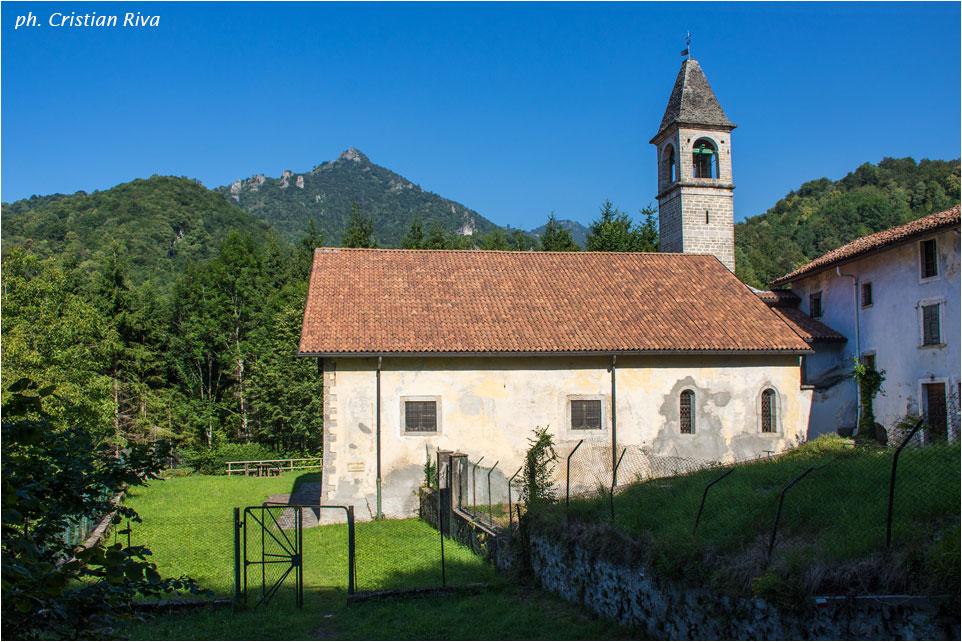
column 355, row 466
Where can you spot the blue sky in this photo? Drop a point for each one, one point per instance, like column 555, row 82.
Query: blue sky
column 513, row 109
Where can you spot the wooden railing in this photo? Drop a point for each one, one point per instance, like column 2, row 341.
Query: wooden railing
column 269, row 467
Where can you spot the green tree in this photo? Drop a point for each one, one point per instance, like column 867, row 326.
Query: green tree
column 360, row 230
column 53, row 334
column 496, row 240
column 414, row 239
column 556, row 238
column 51, row 477
column 286, row 408
column 304, row 254
column 647, row 239
column 438, row 239
column 613, row 232
column 521, row 242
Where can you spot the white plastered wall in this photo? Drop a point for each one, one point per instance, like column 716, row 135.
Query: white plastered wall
column 490, row 406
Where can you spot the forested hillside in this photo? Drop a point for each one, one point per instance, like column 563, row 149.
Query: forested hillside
column 163, row 223
column 326, row 194
column 211, row 362
column 823, row 214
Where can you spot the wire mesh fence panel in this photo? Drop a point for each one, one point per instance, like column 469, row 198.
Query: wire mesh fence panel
column 199, row 547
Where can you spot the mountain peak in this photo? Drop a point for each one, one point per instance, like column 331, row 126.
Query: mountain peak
column 353, row 154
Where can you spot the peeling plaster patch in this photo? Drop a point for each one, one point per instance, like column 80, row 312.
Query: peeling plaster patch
column 721, row 399
column 707, row 442
column 470, row 405
column 364, row 428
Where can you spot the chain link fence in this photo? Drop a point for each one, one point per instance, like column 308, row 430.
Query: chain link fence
column 858, row 508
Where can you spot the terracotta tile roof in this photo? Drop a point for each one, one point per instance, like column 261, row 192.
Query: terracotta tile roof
column 875, row 241
column 778, row 298
column 806, row 327
column 446, row 301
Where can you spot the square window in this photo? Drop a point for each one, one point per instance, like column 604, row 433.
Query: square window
column 931, row 327
column 420, row 416
column 868, row 360
column 586, row 414
column 928, row 259
column 866, row 295
column 815, row 305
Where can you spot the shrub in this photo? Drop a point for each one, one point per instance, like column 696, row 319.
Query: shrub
column 213, row 461
column 538, row 466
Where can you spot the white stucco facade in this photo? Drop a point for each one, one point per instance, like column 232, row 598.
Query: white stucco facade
column 489, row 406
column 890, row 328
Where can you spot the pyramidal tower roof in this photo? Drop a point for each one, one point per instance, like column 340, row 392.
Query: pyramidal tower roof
column 692, row 101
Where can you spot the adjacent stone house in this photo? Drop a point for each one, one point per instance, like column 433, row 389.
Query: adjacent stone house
column 472, row 350
column 894, row 296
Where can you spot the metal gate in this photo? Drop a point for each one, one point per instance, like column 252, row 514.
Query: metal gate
column 269, row 552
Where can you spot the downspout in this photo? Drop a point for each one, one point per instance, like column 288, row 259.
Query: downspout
column 858, row 347
column 614, row 424
column 377, row 422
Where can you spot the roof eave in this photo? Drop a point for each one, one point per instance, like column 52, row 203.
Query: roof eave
column 554, row 353
column 870, row 252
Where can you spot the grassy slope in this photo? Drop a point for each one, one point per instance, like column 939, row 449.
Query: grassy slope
column 187, row 524
column 831, row 535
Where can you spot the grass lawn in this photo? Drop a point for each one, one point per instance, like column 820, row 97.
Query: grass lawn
column 831, row 534
column 187, row 523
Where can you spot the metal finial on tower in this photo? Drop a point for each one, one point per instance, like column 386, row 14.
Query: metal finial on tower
column 687, row 50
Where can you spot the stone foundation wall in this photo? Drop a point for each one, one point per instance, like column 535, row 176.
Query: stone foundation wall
column 671, row 610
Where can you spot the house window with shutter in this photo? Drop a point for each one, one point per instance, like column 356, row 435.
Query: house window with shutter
column 768, row 411
column 420, row 415
column 585, row 414
column 815, row 304
column 935, row 409
column 928, row 259
column 931, row 325
column 686, row 412
column 866, row 295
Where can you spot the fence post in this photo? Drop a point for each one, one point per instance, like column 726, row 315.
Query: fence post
column 778, row 512
column 474, row 485
column 237, row 557
column 510, row 517
column 705, row 496
column 895, row 462
column 444, row 498
column 351, row 568
column 614, row 478
column 490, row 517
column 568, row 473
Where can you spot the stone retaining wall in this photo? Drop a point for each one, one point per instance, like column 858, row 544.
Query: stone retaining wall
column 631, row 595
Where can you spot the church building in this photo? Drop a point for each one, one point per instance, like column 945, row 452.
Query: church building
column 471, row 351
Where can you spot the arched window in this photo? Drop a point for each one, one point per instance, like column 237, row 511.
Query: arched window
column 704, row 159
column 686, row 411
column 668, row 169
column 768, row 411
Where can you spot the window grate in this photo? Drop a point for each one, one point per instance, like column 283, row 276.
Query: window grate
column 866, row 295
column 586, row 414
column 685, row 412
column 768, row 411
column 420, row 416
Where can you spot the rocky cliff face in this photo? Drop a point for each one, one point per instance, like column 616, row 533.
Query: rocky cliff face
column 326, row 194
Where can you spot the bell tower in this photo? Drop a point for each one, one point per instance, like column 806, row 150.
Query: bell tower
column 695, row 208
